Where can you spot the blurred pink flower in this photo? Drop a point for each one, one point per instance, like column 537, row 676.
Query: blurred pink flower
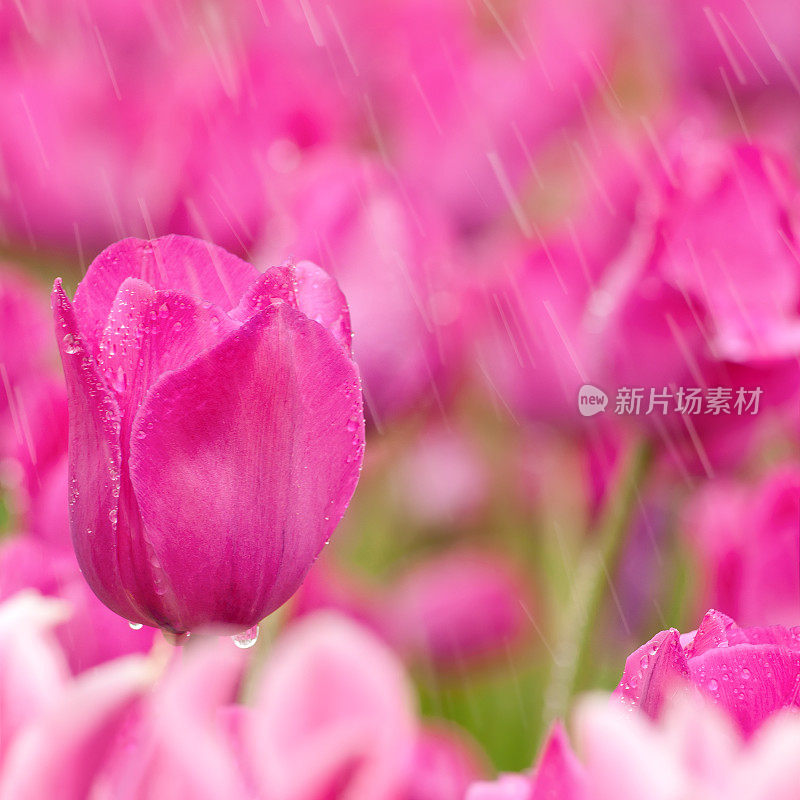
column 32, row 669
column 693, row 751
column 390, row 254
column 33, row 411
column 706, row 294
column 155, row 119
column 749, row 672
column 333, row 716
column 460, row 607
column 746, row 538
column 56, row 733
column 503, row 91
column 89, row 634
column 328, row 586
column 750, row 40
column 187, row 370
column 443, row 480
column 536, row 349
column 445, row 764
column 710, row 277
column 179, row 742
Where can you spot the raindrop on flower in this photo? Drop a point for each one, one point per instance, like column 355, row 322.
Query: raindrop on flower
column 247, row 638
column 71, row 345
column 135, row 626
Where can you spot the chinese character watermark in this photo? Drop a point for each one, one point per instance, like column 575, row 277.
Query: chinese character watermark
column 688, row 401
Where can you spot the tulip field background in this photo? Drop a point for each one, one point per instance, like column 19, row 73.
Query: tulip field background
column 512, row 287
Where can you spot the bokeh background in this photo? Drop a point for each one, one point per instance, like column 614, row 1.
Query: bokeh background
column 518, row 197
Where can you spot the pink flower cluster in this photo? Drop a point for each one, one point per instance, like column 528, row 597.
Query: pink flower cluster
column 344, row 273
column 331, row 715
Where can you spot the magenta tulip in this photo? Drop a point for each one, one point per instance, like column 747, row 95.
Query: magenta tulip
column 216, row 429
column 752, row 673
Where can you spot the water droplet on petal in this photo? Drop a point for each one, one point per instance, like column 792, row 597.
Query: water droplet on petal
column 247, row 638
column 135, row 626
column 175, row 639
column 71, row 344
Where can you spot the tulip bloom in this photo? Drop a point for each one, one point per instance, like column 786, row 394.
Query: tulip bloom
column 216, row 429
column 750, row 672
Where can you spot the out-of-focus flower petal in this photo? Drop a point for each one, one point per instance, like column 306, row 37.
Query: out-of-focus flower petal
column 63, row 750
column 334, row 712
column 460, row 607
column 559, row 775
column 33, row 672
column 445, row 764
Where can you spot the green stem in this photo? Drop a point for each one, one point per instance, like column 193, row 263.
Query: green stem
column 594, row 571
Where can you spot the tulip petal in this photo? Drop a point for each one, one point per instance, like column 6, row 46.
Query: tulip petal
column 95, row 464
column 150, row 332
column 191, row 266
column 243, row 463
column 276, row 285
column 305, row 286
column 559, row 775
column 506, row 787
column 62, row 752
column 653, row 671
column 320, row 298
column 750, row 681
column 33, row 672
column 334, row 712
column 713, row 630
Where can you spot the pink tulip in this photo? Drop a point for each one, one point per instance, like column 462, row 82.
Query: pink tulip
column 693, row 750
column 746, row 539
column 709, row 285
column 749, row 672
column 709, row 279
column 216, row 429
column 179, row 742
column 462, row 607
column 333, row 717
